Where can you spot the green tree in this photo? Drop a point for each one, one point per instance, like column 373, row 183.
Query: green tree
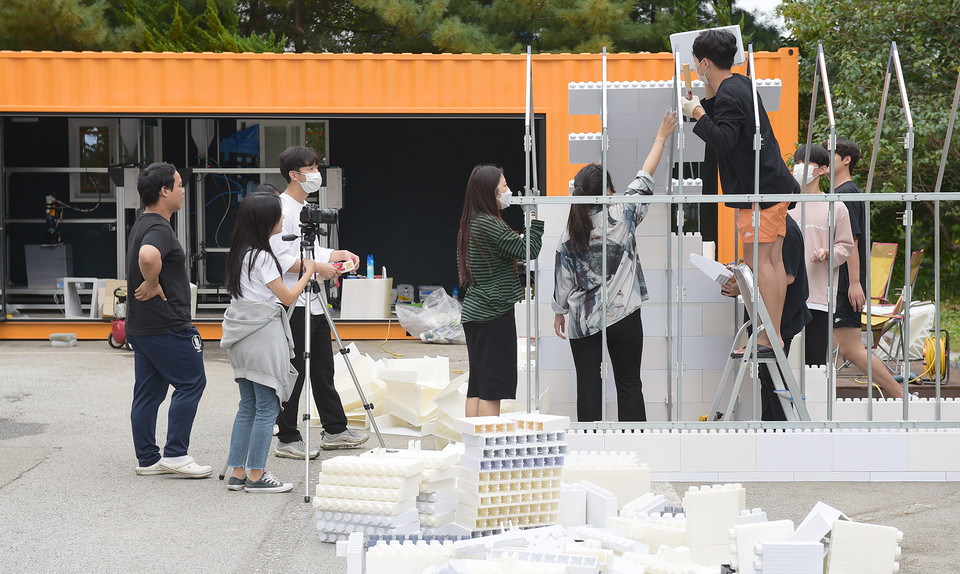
column 52, row 25
column 182, row 26
column 489, row 25
column 135, row 25
column 856, row 39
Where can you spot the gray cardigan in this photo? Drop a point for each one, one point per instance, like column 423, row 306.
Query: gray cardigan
column 259, row 344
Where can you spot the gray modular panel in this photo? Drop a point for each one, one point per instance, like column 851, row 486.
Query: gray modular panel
column 586, row 98
column 583, row 100
column 769, row 92
column 622, row 151
column 584, row 148
column 690, row 186
column 693, row 150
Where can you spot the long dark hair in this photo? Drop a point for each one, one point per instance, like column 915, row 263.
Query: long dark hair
column 588, row 181
column 480, row 198
column 257, row 216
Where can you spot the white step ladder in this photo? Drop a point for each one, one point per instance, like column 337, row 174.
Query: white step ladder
column 784, row 383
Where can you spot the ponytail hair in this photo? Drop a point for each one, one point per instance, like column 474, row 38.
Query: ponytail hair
column 588, row 181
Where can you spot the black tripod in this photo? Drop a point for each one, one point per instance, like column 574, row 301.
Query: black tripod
column 308, row 235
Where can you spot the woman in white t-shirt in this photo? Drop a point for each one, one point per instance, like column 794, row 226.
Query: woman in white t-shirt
column 257, row 337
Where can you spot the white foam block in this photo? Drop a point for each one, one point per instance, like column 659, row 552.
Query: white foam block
column 747, row 536
column 711, row 511
column 857, row 548
column 601, row 504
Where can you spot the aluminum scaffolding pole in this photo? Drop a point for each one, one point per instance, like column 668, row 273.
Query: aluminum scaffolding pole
column 894, row 67
column 604, row 144
column 536, row 262
column 678, row 145
column 757, row 143
column 527, row 213
column 936, row 245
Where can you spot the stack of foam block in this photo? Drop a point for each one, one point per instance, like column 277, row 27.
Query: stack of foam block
column 451, row 404
column 510, row 471
column 436, row 499
column 369, row 494
column 412, row 386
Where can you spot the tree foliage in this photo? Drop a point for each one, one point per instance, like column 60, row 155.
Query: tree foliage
column 52, row 25
column 184, row 26
column 479, row 26
column 856, row 38
column 134, row 25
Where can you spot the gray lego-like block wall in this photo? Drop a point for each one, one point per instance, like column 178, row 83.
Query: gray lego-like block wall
column 634, row 114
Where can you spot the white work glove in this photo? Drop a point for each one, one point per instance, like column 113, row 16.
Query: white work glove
column 689, row 105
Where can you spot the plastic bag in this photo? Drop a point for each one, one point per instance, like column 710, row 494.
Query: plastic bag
column 437, row 321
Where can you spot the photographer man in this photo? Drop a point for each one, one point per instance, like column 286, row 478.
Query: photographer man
column 298, row 165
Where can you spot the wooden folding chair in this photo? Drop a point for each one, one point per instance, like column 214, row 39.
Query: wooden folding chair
column 882, row 258
column 889, row 319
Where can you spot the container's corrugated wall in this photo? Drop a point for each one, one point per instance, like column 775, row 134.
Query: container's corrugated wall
column 318, row 84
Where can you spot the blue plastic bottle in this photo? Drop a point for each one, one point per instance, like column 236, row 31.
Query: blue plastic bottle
column 370, row 272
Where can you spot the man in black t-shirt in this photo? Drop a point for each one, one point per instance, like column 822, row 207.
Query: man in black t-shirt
column 795, row 314
column 725, row 122
column 853, row 274
column 168, row 350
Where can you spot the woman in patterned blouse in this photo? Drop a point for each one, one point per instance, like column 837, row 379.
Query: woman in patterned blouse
column 578, row 286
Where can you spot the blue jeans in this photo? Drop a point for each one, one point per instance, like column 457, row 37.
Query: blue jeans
column 253, row 427
column 159, row 362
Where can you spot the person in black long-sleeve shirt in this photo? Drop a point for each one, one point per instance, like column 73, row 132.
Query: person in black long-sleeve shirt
column 725, row 121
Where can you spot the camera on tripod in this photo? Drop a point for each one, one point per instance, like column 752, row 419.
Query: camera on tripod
column 314, row 215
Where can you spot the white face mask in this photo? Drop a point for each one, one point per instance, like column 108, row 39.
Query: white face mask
column 503, row 197
column 798, row 173
column 703, row 76
column 312, row 183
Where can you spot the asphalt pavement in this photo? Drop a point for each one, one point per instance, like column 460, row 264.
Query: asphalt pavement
column 71, row 502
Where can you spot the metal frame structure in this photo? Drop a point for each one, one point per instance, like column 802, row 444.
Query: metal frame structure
column 894, row 67
column 820, row 74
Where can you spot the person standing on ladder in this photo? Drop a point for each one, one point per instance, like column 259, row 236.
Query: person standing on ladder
column 725, row 122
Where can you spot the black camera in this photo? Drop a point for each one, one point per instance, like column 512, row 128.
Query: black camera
column 311, row 214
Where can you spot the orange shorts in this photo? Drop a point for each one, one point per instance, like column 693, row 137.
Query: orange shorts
column 773, row 223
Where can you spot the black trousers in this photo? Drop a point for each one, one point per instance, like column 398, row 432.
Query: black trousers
column 817, row 331
column 321, row 380
column 625, row 345
column 770, row 407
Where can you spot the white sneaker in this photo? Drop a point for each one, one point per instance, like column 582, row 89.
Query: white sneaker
column 151, row 470
column 188, row 468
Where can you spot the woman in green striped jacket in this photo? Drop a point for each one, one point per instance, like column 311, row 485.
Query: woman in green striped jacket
column 487, row 254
